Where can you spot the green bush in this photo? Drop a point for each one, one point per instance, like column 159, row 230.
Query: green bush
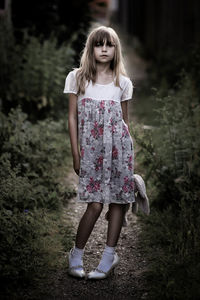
column 34, row 157
column 30, row 156
column 21, row 238
column 170, row 155
column 36, row 76
column 32, row 248
column 162, row 71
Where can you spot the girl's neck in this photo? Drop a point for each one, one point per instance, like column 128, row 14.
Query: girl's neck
column 104, row 69
column 104, row 73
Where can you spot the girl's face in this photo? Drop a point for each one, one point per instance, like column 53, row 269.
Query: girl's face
column 104, row 51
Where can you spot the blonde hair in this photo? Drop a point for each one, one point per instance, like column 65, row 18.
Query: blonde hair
column 87, row 69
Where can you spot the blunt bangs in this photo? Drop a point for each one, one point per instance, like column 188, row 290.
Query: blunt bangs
column 101, row 36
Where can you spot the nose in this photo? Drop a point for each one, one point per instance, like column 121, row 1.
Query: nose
column 104, row 48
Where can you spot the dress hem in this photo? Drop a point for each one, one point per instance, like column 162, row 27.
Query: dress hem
column 116, row 202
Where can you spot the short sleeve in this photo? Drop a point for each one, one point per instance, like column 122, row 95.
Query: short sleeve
column 70, row 83
column 127, row 91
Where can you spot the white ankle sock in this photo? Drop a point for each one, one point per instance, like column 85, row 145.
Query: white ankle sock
column 107, row 259
column 76, row 257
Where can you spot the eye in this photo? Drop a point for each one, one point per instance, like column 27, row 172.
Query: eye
column 110, row 44
column 98, row 44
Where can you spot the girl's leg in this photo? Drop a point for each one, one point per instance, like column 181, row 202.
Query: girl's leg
column 115, row 221
column 87, row 223
column 85, row 227
column 125, row 222
column 116, row 217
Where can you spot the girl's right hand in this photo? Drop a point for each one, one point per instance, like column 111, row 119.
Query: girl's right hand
column 76, row 164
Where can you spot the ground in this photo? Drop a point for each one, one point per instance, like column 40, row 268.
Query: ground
column 127, row 282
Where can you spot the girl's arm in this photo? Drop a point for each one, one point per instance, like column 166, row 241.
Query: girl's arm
column 73, row 131
column 124, row 105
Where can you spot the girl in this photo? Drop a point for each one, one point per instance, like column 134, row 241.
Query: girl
column 98, row 123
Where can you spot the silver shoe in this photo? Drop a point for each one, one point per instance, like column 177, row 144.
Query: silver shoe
column 75, row 271
column 99, row 274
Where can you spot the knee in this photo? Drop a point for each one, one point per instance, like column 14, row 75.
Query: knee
column 95, row 208
column 119, row 207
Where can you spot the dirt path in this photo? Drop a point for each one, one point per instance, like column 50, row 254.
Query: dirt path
column 127, row 281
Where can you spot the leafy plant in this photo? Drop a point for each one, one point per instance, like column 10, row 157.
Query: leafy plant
column 30, row 156
column 170, row 155
column 37, row 71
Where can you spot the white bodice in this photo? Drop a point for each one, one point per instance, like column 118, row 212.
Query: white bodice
column 98, row 91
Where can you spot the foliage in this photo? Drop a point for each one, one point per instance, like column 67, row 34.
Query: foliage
column 171, row 155
column 33, row 245
column 30, row 156
column 21, row 244
column 36, row 77
column 162, row 71
column 35, row 156
column 31, row 195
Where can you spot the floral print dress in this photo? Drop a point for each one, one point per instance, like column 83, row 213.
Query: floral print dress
column 106, row 146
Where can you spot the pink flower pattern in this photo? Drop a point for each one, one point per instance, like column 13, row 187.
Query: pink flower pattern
column 114, row 153
column 113, row 125
column 83, row 101
column 93, row 186
column 97, row 130
column 106, row 148
column 82, row 152
column 102, row 105
column 130, row 162
column 99, row 163
column 128, row 184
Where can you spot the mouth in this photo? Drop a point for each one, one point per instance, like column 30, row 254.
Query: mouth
column 103, row 55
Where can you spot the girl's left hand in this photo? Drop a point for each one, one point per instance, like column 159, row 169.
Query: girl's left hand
column 76, row 164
